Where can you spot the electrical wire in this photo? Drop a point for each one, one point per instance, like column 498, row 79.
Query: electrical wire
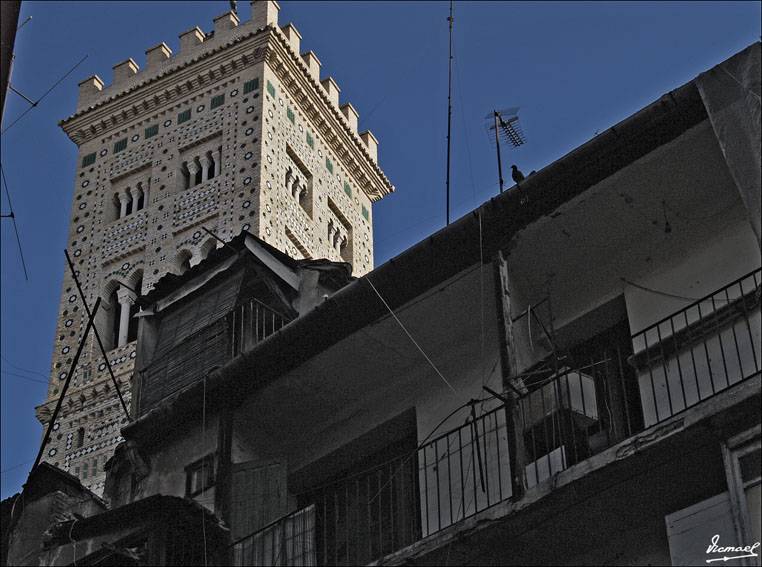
column 34, row 104
column 24, row 377
column 13, row 218
column 23, row 369
column 410, row 336
column 16, row 466
column 672, row 295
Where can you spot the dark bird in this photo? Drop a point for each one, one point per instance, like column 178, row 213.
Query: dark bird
column 516, row 174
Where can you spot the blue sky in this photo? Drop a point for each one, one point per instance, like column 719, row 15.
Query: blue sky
column 572, row 68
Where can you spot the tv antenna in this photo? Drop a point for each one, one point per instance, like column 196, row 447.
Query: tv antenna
column 505, row 121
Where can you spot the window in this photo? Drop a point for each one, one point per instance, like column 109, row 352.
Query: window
column 365, row 212
column 151, row 131
column 347, row 189
column 250, row 86
column 199, row 476
column 290, row 114
column 84, row 471
column 120, row 145
column 328, row 165
column 219, row 100
column 80, row 437
column 95, row 466
column 310, row 141
column 271, row 89
column 89, row 159
column 184, row 116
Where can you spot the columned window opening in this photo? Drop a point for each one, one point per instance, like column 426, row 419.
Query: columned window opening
column 202, row 167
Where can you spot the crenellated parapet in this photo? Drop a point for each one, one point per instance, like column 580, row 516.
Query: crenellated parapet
column 207, row 58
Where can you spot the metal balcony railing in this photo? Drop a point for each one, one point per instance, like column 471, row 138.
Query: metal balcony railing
column 572, row 414
column 290, row 540
column 350, row 522
column 700, row 350
column 464, row 471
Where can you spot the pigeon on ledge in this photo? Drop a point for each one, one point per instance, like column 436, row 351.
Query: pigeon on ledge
column 516, row 174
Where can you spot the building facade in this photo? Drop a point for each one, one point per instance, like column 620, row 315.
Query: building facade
column 523, row 387
column 236, row 132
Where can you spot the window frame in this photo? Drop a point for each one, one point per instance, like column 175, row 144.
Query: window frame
column 205, row 463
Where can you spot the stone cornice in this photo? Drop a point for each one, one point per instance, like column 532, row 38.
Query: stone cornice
column 144, row 98
column 314, row 101
column 147, row 96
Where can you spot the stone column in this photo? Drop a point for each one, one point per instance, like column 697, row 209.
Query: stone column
column 205, row 164
column 331, row 231
column 192, row 171
column 126, row 298
column 216, row 157
column 137, row 193
column 124, row 201
column 295, row 188
column 337, row 241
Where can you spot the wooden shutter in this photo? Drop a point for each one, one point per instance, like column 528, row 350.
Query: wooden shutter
column 258, row 495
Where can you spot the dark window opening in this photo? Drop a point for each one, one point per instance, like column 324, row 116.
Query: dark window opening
column 199, row 476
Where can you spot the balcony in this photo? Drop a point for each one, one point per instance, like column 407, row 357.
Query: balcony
column 192, row 343
column 567, row 409
column 351, row 521
column 700, row 350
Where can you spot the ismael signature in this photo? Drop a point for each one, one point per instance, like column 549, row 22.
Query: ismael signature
column 747, row 550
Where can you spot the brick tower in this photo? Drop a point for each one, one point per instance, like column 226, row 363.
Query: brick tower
column 235, row 132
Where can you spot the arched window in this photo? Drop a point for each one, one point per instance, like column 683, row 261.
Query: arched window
column 206, row 248
column 182, row 262
column 80, row 437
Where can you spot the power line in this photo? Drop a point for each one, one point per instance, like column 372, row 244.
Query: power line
column 16, row 466
column 411, row 337
column 24, row 369
column 34, row 104
column 13, row 218
column 24, row 377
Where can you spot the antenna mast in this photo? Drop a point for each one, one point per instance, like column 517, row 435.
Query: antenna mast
column 449, row 116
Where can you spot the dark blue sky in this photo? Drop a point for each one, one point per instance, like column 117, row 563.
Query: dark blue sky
column 572, row 68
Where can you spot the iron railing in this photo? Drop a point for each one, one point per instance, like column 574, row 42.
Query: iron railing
column 353, row 521
column 700, row 350
column 290, row 540
column 464, row 471
column 571, row 414
column 251, row 322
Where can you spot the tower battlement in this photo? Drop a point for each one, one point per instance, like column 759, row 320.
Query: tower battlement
column 194, row 44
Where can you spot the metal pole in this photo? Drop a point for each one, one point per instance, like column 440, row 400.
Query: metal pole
column 449, row 116
column 497, row 143
column 66, row 385
column 97, row 335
